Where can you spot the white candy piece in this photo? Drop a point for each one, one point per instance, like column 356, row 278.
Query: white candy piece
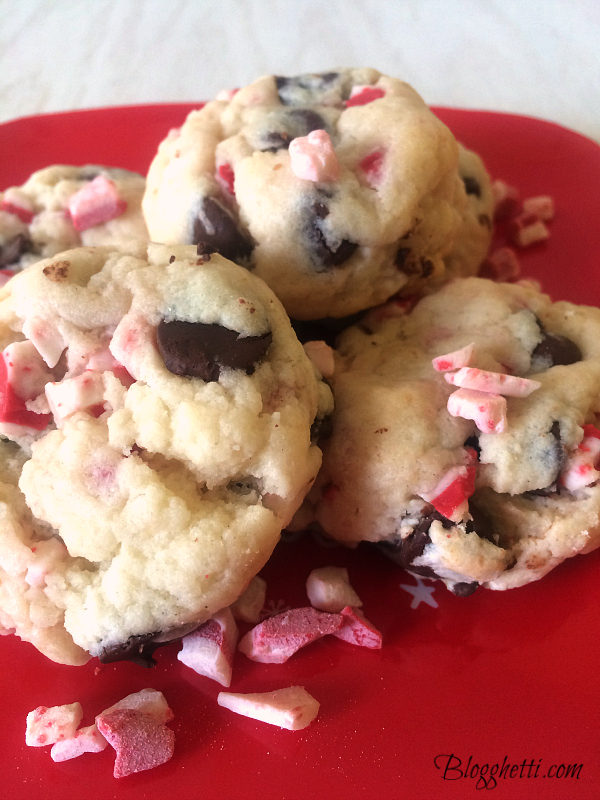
column 488, row 411
column 49, row 725
column 312, row 157
column 26, row 370
column 85, row 740
column 454, row 360
column 292, row 708
column 209, row 650
column 46, row 338
column 75, row 394
column 321, row 355
column 250, row 603
column 329, row 589
column 492, row 382
column 149, row 701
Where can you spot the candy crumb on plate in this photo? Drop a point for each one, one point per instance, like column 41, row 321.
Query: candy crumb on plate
column 292, row 708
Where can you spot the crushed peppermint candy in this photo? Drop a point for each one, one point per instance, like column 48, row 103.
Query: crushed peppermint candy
column 580, row 469
column 140, row 740
column 492, row 382
column 47, row 725
column 542, row 206
column 455, row 360
column 451, row 495
column 226, row 178
column 85, row 740
column 505, row 198
column 17, row 203
column 321, row 355
column 329, row 589
column 502, row 264
column 97, row 202
column 312, row 157
column 251, row 602
column 209, row 650
column 361, row 95
column 372, row 167
column 81, row 393
column 292, row 708
column 527, row 229
column 486, row 410
column 358, row 630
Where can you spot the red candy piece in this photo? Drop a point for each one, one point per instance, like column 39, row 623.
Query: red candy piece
column 278, row 638
column 98, row 202
column 455, row 495
column 591, row 431
column 372, row 166
column 227, row 177
column 527, row 229
column 364, row 96
column 501, row 265
column 140, row 740
column 357, row 630
column 22, row 213
column 13, row 408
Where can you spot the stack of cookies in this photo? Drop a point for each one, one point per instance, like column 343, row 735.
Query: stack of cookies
column 280, row 326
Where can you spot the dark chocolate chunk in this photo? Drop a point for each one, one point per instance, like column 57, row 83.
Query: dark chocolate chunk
column 288, row 125
column 406, row 550
column 473, row 441
column 400, row 258
column 215, row 226
column 472, row 186
column 205, row 249
column 555, row 349
column 326, row 329
column 324, row 256
column 306, row 89
column 139, row 649
column 199, row 350
column 12, row 251
column 464, row 589
column 321, row 429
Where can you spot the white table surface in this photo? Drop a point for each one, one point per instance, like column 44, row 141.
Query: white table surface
column 536, row 57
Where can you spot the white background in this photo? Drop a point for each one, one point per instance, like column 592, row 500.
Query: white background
column 536, row 57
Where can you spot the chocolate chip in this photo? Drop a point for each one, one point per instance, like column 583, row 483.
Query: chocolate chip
column 205, row 249
column 307, row 89
column 473, row 441
column 138, row 649
column 12, row 251
column 472, row 186
column 406, row 550
column 215, row 226
column 464, row 589
column 172, row 259
column 326, row 329
column 289, row 124
column 400, row 258
column 58, row 271
column 324, row 255
column 321, row 429
column 554, row 349
column 200, row 350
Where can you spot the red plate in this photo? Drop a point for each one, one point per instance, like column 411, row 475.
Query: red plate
column 496, row 691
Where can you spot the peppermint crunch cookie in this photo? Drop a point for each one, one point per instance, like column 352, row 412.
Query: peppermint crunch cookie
column 338, row 189
column 62, row 207
column 466, row 434
column 160, row 410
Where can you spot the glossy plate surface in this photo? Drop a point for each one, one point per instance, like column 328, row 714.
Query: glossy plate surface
column 497, row 688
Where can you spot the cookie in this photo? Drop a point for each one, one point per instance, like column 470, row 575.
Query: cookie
column 159, row 408
column 62, row 207
column 338, row 189
column 465, row 434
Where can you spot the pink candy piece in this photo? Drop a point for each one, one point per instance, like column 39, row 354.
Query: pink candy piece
column 140, row 740
column 451, row 495
column 292, row 708
column 226, row 177
column 501, row 265
column 13, row 409
column 580, row 467
column 372, row 166
column 49, row 725
column 251, row 602
column 488, row 411
column 96, row 203
column 506, row 200
column 46, row 338
column 209, row 649
column 313, row 158
column 85, row 740
column 46, row 555
column 82, row 393
column 278, row 638
column 492, row 382
column 329, row 589
column 321, row 355
column 454, row 360
column 358, row 630
column 527, row 229
column 26, row 371
column 542, row 207
column 361, row 95
column 150, row 701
